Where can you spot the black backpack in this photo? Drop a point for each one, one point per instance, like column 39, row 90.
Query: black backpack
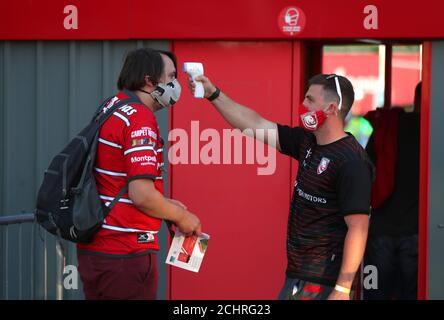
column 68, row 203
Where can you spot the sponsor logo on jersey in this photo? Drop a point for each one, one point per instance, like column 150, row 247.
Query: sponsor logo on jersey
column 145, row 237
column 128, row 110
column 144, row 132
column 139, row 142
column 110, row 104
column 310, row 197
column 150, row 159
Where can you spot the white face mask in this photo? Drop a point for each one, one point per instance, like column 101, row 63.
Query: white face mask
column 167, row 94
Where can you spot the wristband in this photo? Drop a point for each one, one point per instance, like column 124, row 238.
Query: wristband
column 214, row 95
column 342, row 289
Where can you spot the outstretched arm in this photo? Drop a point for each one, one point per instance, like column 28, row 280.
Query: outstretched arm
column 240, row 116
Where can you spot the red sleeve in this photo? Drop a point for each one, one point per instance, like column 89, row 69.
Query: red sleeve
column 140, row 146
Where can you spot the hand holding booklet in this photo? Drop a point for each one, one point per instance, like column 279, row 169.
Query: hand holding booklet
column 187, row 252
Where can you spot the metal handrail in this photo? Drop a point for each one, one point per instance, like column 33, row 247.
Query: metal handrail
column 20, row 218
column 31, row 218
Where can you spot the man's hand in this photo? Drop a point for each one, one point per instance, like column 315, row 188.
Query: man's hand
column 208, row 86
column 336, row 295
column 189, row 224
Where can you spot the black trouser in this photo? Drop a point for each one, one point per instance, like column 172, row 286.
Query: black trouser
column 396, row 260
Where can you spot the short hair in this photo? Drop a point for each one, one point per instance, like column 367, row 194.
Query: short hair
column 328, row 83
column 138, row 64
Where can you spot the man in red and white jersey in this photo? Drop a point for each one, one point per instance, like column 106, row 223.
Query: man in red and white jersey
column 120, row 263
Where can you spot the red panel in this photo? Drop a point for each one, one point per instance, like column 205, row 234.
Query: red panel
column 227, row 19
column 405, row 76
column 44, row 20
column 362, row 70
column 424, row 177
column 245, row 213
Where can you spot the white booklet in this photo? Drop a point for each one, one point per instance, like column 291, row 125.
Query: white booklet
column 187, row 252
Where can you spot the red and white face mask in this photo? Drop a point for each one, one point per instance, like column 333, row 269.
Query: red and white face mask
column 311, row 120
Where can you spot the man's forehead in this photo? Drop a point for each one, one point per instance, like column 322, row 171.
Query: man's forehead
column 315, row 91
column 167, row 60
column 170, row 70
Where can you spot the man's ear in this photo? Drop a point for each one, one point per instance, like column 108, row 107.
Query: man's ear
column 332, row 109
column 149, row 83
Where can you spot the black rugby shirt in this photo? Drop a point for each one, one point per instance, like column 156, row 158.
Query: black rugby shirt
column 333, row 181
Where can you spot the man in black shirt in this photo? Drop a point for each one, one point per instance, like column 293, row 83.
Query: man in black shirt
column 328, row 221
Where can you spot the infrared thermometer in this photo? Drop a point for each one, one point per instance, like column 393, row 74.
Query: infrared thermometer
column 195, row 69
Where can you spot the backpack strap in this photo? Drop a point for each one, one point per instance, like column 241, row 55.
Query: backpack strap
column 118, row 196
column 102, row 117
column 99, row 116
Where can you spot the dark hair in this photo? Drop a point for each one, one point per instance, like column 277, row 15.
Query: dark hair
column 170, row 55
column 328, row 84
column 138, row 64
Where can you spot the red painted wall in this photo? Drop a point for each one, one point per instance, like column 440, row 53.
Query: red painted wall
column 245, row 213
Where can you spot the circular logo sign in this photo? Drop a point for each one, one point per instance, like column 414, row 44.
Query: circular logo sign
column 291, row 21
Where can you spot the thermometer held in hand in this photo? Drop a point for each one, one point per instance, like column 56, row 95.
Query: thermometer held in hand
column 195, row 69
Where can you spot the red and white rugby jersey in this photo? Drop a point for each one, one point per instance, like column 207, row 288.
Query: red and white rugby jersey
column 130, row 147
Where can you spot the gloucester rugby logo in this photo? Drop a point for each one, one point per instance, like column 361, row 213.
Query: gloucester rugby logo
column 323, row 165
column 310, row 120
